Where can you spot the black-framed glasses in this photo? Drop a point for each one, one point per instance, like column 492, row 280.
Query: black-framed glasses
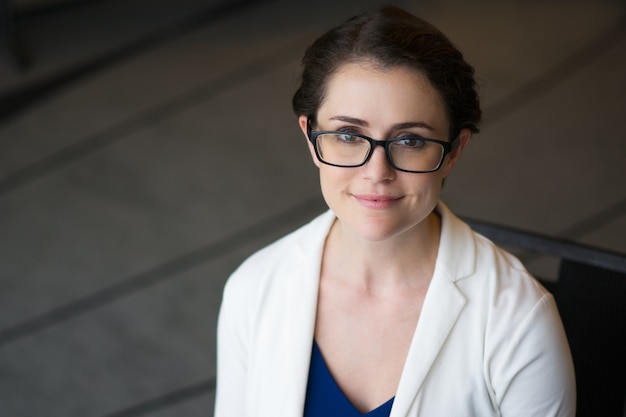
column 410, row 153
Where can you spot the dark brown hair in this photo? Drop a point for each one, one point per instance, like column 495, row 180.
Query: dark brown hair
column 391, row 37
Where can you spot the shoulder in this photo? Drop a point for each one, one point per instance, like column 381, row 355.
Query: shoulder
column 499, row 290
column 268, row 265
column 472, row 260
column 515, row 321
column 259, row 292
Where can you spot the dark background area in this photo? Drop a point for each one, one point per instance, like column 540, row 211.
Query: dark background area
column 147, row 147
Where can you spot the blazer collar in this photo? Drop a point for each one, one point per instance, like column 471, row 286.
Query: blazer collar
column 456, row 258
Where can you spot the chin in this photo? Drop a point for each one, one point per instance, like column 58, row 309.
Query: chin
column 377, row 230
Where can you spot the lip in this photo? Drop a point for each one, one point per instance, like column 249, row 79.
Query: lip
column 376, row 201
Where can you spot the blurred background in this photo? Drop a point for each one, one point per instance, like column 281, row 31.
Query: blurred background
column 148, row 146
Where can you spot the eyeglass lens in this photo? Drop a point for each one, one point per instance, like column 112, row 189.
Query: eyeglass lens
column 410, row 154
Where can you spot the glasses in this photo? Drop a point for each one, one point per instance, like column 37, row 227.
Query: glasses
column 411, row 153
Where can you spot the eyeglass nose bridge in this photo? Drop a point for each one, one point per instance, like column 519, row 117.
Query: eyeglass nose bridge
column 382, row 143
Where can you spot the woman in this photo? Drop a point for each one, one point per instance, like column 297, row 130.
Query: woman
column 388, row 304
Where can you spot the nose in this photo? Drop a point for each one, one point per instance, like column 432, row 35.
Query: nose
column 377, row 167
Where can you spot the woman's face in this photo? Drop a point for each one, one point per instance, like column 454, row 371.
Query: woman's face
column 375, row 201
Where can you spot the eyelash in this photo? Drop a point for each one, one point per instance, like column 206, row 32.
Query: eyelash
column 356, row 131
column 349, row 129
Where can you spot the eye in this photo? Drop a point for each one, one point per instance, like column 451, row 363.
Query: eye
column 347, row 137
column 411, row 142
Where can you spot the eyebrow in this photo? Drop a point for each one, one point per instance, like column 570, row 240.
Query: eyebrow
column 351, row 120
column 398, row 126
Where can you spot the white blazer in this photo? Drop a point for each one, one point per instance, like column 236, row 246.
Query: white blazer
column 489, row 341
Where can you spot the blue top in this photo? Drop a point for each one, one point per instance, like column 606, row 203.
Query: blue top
column 324, row 398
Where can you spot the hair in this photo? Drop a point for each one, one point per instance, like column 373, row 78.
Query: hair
column 390, row 37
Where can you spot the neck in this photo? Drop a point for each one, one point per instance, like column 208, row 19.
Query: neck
column 406, row 260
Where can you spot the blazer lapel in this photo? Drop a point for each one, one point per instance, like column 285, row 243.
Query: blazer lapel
column 301, row 307
column 442, row 306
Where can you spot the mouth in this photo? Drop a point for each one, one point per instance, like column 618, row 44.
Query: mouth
column 378, row 201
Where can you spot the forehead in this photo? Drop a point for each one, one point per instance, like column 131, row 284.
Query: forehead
column 382, row 96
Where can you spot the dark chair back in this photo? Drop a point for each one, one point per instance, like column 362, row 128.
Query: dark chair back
column 592, row 304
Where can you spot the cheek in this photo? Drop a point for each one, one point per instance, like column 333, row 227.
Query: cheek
column 427, row 186
column 328, row 179
column 327, row 187
column 333, row 180
column 447, row 167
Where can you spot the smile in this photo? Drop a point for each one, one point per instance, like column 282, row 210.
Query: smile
column 376, row 201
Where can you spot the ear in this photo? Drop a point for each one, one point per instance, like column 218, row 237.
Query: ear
column 302, row 121
column 453, row 157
